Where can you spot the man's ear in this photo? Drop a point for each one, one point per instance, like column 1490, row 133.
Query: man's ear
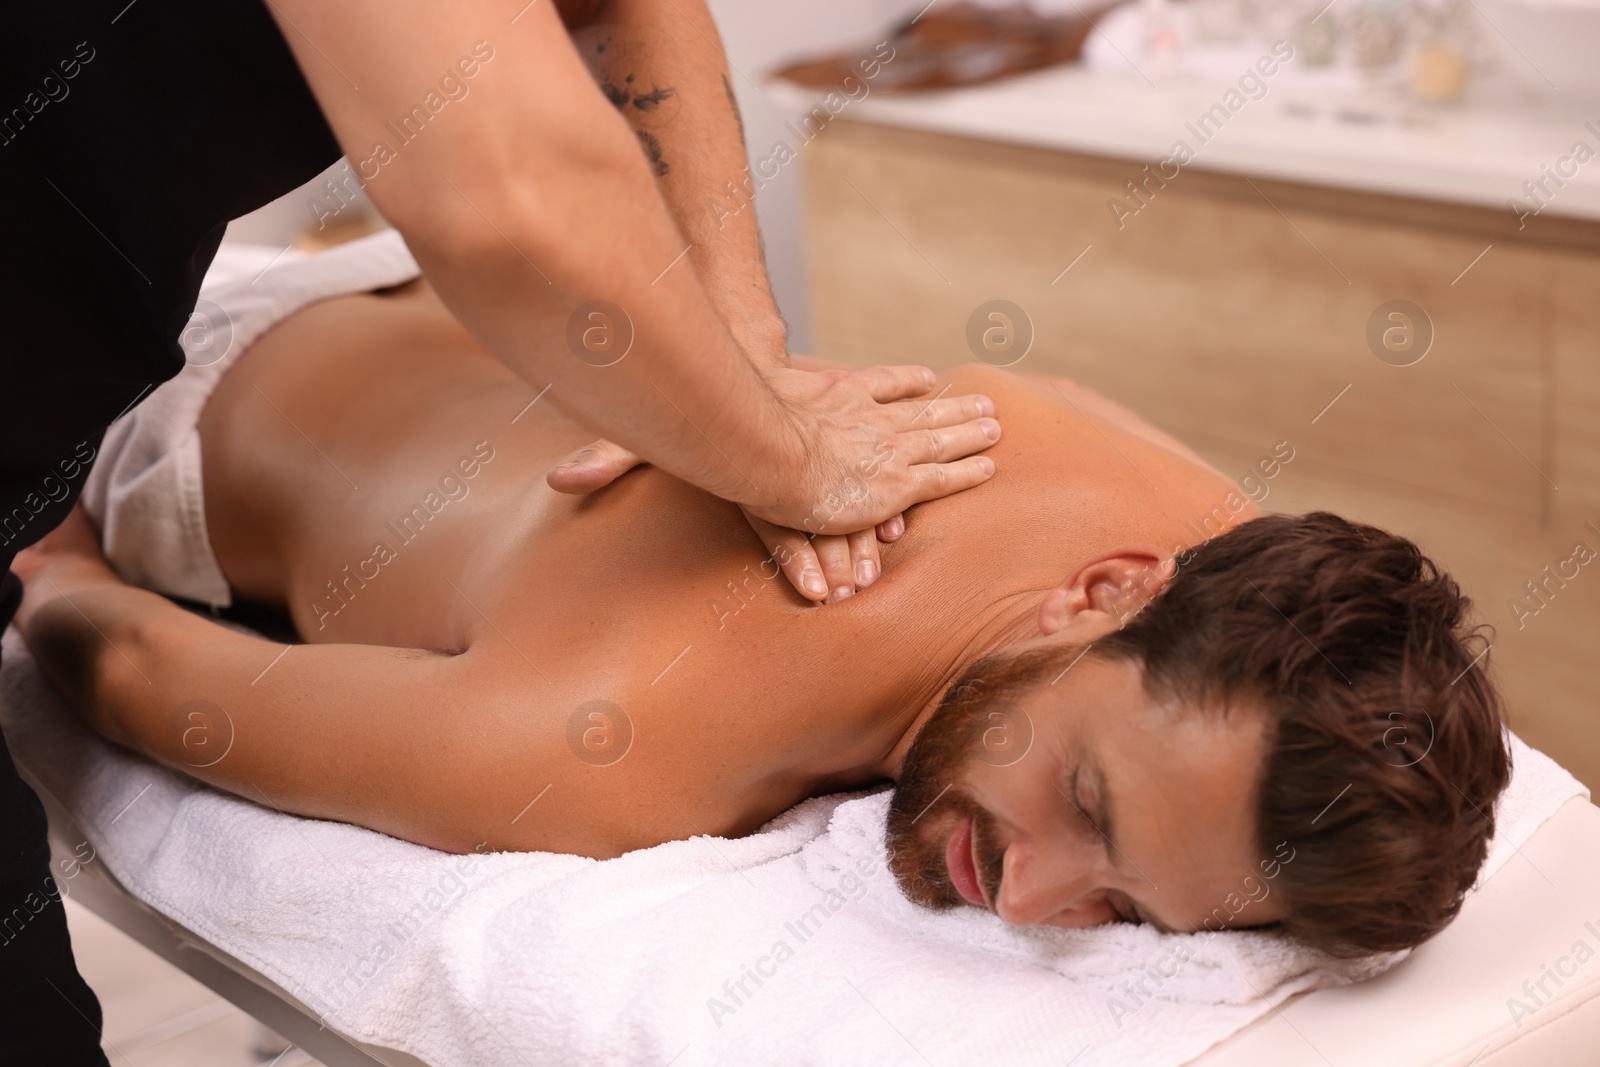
column 1107, row 590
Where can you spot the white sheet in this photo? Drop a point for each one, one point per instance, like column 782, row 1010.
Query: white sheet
column 541, row 959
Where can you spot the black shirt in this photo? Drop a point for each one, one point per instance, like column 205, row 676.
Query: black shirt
column 130, row 134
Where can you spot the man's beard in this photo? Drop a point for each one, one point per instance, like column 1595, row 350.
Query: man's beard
column 977, row 719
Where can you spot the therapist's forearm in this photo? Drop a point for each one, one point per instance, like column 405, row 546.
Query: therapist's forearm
column 528, row 202
column 661, row 64
column 686, row 395
column 526, row 198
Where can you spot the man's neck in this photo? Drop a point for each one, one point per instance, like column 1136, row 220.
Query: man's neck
column 1012, row 619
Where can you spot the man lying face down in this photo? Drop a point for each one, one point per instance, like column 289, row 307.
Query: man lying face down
column 1105, row 687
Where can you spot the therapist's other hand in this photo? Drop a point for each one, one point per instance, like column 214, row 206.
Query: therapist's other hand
column 594, row 466
column 826, row 568
column 869, row 450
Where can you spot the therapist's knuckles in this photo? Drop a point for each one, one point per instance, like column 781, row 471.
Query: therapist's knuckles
column 947, row 411
column 937, row 480
column 945, row 444
column 889, row 383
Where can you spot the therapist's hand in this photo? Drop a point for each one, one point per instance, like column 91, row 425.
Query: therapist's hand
column 825, row 568
column 867, row 452
column 594, row 466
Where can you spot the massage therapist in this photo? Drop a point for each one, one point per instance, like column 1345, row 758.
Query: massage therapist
column 550, row 166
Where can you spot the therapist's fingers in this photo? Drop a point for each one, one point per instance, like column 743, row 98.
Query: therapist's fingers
column 791, row 550
column 865, row 564
column 850, row 562
column 944, row 411
column 827, row 568
column 892, row 529
column 893, row 383
column 947, row 443
column 594, row 466
column 833, row 553
column 935, row 480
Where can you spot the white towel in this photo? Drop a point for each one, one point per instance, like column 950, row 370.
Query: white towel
column 534, row 958
column 144, row 491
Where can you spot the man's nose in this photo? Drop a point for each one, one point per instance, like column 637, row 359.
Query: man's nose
column 1059, row 890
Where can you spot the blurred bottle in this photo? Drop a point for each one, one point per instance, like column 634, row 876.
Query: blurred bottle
column 1443, row 36
column 1374, row 30
column 1315, row 34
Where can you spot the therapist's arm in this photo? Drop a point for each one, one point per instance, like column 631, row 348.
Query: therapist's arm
column 661, row 65
column 528, row 196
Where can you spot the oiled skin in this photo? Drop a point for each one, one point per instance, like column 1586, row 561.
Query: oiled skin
column 743, row 697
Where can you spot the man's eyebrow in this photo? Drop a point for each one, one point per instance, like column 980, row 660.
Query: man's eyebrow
column 1104, row 821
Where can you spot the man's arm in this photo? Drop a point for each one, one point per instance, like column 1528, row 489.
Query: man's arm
column 662, row 65
column 525, row 196
column 433, row 748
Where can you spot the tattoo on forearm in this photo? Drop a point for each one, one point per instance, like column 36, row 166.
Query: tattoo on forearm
column 623, row 96
column 612, row 66
column 652, row 151
column 652, row 100
column 618, row 97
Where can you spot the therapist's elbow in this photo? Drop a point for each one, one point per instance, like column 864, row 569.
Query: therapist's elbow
column 501, row 212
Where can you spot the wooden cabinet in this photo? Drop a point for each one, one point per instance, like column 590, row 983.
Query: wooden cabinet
column 1233, row 312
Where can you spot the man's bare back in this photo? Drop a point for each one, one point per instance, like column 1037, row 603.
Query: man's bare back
column 372, row 471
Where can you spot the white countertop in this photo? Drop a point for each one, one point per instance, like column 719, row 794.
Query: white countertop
column 1322, row 127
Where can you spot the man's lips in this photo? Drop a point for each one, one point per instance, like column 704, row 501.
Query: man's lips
column 963, row 870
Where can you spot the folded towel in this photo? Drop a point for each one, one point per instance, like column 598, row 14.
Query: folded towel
column 144, row 491
column 790, row 946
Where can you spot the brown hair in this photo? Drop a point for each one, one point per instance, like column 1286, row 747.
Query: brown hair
column 1386, row 749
